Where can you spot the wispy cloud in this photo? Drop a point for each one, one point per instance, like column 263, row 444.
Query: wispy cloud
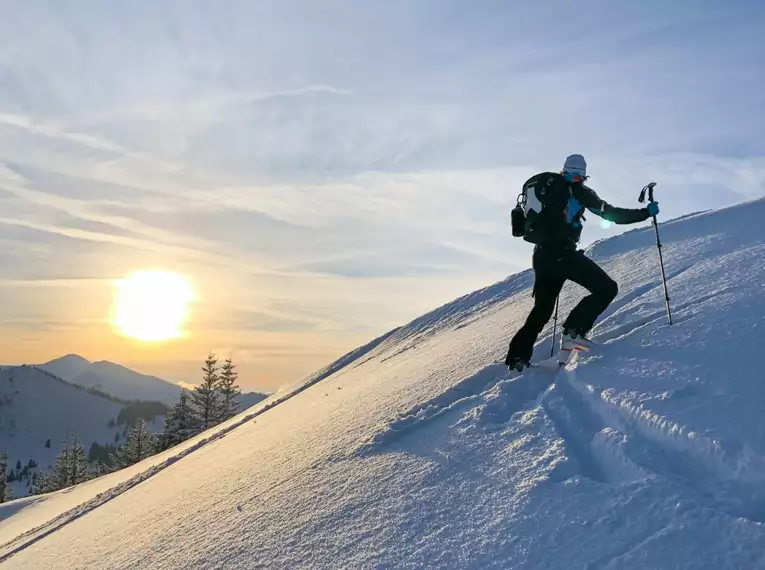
column 53, row 132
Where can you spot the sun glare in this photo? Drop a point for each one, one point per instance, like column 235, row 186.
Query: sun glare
column 152, row 306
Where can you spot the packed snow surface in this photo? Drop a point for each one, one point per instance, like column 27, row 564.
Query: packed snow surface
column 420, row 450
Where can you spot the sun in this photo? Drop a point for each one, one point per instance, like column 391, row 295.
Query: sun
column 152, row 305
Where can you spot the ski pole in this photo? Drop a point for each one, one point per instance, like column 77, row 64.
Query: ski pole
column 555, row 326
column 649, row 188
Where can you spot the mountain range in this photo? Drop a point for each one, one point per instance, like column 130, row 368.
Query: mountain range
column 122, row 382
column 114, row 379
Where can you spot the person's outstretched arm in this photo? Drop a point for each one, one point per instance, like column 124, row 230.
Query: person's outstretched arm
column 590, row 200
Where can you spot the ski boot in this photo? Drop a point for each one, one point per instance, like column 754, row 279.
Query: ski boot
column 573, row 341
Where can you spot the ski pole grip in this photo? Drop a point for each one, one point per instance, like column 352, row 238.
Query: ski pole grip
column 647, row 188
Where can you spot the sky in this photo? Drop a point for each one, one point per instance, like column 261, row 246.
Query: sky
column 324, row 171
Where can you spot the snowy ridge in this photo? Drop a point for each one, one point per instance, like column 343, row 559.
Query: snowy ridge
column 346, row 360
column 457, row 314
column 419, row 450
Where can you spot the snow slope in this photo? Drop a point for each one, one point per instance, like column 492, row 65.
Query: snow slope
column 418, row 451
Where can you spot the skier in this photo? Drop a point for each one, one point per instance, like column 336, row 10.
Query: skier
column 551, row 218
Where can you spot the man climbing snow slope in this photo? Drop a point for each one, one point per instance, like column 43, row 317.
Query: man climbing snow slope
column 550, row 215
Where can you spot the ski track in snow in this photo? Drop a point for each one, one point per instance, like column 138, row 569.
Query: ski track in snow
column 644, row 443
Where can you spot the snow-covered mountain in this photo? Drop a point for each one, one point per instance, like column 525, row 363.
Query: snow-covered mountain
column 38, row 411
column 113, row 379
column 419, row 450
column 67, row 367
column 124, row 383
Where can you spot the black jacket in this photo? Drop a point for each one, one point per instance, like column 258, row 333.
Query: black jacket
column 562, row 224
column 590, row 200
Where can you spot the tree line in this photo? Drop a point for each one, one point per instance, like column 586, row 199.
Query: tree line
column 214, row 401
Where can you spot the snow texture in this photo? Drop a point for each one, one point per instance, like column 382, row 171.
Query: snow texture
column 420, row 450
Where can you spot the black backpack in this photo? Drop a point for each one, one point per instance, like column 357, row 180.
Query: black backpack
column 540, row 212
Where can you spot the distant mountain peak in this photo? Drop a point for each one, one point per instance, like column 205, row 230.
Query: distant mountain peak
column 67, row 367
column 71, row 357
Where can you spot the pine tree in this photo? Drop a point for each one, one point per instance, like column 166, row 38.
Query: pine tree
column 78, row 462
column 5, row 488
column 71, row 467
column 205, row 396
column 229, row 391
column 139, row 445
column 57, row 478
column 181, row 423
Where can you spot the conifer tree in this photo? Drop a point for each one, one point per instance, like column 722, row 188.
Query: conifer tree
column 205, row 396
column 71, row 467
column 181, row 423
column 139, row 445
column 229, row 391
column 78, row 466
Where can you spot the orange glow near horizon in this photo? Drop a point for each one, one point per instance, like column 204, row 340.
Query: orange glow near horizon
column 152, row 305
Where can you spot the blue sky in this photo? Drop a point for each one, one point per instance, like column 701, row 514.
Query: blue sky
column 325, row 171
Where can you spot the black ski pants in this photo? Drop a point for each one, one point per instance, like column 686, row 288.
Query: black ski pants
column 552, row 267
